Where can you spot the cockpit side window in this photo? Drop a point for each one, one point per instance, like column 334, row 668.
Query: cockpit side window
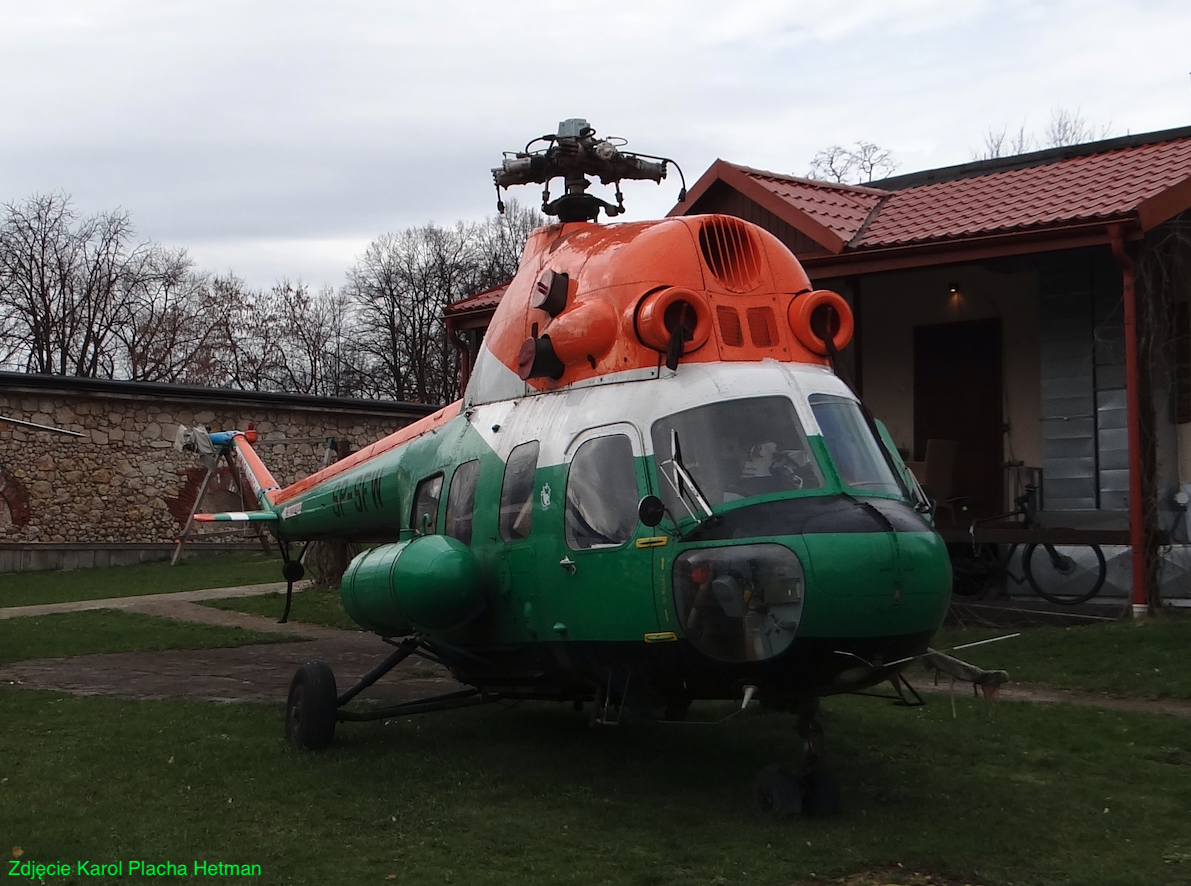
column 516, row 493
column 856, row 455
column 461, row 501
column 601, row 506
column 426, row 496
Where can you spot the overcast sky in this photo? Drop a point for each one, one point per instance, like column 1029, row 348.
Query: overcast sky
column 276, row 139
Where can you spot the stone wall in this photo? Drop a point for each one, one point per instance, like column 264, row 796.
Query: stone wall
column 113, row 487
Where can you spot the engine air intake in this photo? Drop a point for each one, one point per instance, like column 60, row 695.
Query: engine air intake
column 731, row 252
column 730, row 332
column 762, row 327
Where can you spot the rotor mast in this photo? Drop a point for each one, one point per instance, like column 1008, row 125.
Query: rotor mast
column 574, row 153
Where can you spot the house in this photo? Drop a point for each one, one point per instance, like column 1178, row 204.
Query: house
column 1032, row 308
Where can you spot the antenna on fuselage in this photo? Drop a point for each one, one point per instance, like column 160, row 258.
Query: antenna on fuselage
column 574, row 153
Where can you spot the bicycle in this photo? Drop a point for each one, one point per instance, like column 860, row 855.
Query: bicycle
column 1066, row 578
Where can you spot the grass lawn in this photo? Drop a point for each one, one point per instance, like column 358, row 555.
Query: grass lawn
column 1146, row 657
column 320, row 606
column 191, row 574
column 1009, row 793
column 65, row 634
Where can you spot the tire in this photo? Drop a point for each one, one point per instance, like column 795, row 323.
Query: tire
column 820, row 793
column 972, row 572
column 312, row 706
column 777, row 792
column 1072, row 580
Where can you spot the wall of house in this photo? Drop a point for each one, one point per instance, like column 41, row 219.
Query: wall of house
column 891, row 305
column 117, row 494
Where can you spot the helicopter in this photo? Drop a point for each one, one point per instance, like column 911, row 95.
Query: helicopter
column 655, row 489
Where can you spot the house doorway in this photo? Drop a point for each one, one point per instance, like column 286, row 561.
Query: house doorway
column 957, row 396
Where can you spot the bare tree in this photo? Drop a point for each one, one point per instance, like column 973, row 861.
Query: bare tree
column 873, row 161
column 1070, row 128
column 65, row 284
column 174, row 325
column 835, row 164
column 403, row 282
column 1065, row 128
column 1002, row 143
column 861, row 163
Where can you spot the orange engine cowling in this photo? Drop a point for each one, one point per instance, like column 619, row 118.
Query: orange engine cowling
column 663, row 312
column 820, row 317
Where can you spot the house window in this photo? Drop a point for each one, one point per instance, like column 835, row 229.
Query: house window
column 461, row 501
column 516, row 493
column 425, row 513
column 601, row 494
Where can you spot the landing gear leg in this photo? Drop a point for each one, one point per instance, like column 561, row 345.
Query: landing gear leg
column 781, row 793
column 313, row 707
column 820, row 791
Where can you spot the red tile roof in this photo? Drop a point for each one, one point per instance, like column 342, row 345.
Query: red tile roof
column 1147, row 178
column 1091, row 187
column 842, row 209
column 489, row 298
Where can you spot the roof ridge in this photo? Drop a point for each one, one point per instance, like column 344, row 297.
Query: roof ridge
column 1031, row 159
column 814, row 182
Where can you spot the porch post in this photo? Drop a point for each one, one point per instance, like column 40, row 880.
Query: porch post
column 1137, row 533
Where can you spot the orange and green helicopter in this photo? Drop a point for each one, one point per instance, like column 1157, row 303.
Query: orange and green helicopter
column 654, row 490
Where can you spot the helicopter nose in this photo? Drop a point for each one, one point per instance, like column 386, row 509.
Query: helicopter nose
column 877, row 583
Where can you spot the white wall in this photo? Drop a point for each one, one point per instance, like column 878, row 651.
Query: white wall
column 893, row 304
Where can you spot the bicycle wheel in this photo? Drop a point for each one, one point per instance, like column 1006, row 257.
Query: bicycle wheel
column 972, row 572
column 1068, row 576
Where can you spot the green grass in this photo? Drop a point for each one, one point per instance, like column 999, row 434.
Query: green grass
column 320, row 606
column 1146, row 657
column 64, row 634
column 1009, row 793
column 191, row 574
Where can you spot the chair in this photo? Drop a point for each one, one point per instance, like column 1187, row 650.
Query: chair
column 936, row 472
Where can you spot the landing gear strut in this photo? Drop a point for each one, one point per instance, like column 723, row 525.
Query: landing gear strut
column 812, row 790
column 313, row 707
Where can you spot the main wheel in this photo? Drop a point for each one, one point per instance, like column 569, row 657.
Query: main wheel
column 310, row 710
column 1066, row 577
column 820, row 793
column 777, row 792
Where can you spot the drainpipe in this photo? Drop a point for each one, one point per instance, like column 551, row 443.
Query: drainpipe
column 1116, row 235
column 456, row 338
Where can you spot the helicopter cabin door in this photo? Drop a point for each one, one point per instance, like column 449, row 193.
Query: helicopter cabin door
column 596, row 578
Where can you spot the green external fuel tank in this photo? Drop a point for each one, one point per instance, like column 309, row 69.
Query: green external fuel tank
column 430, row 583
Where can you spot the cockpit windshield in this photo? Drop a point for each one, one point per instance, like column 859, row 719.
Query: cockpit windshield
column 856, row 455
column 733, row 450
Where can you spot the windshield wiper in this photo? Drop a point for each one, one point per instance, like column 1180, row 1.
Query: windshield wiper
column 692, row 490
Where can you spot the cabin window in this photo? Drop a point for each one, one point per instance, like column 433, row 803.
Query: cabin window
column 856, row 455
column 601, row 494
column 516, row 493
column 733, row 450
column 425, row 514
column 461, row 501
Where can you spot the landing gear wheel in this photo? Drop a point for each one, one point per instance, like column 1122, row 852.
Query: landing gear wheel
column 820, row 793
column 310, row 710
column 777, row 792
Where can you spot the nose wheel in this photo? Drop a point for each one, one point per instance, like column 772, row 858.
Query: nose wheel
column 781, row 792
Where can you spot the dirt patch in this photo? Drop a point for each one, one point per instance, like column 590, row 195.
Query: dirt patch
column 895, row 877
column 1177, row 707
column 243, row 674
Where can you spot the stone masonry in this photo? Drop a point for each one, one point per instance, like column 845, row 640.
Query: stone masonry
column 111, row 486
